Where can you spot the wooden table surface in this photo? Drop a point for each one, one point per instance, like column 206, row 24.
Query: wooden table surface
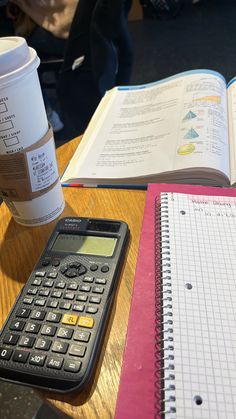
column 20, row 247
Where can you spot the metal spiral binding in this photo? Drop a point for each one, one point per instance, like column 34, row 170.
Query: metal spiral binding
column 164, row 321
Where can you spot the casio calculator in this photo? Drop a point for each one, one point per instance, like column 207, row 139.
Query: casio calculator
column 52, row 336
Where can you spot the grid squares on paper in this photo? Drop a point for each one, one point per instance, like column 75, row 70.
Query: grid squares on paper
column 203, row 254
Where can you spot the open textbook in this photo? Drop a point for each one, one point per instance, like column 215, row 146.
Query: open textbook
column 179, row 130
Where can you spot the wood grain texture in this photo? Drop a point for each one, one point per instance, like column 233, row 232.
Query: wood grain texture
column 20, row 247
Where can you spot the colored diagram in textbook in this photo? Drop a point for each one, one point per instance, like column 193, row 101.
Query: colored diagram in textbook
column 191, row 134
column 211, row 99
column 185, row 149
column 190, row 115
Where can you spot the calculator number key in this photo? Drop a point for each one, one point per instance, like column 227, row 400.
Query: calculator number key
column 53, row 317
column 18, row 325
column 32, row 327
column 23, row 313
column 5, row 353
column 43, row 344
column 26, row 341
column 10, row 339
column 38, row 314
column 48, row 330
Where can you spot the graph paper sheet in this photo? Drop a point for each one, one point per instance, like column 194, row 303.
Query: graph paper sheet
column 198, row 236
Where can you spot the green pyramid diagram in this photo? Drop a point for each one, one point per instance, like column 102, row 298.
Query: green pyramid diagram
column 189, row 115
column 191, row 134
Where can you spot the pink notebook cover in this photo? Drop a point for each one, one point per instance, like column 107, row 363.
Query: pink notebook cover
column 140, row 387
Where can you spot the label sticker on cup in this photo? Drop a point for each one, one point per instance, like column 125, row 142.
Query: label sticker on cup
column 42, row 166
column 31, row 172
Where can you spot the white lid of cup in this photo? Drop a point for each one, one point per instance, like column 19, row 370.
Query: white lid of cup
column 14, row 53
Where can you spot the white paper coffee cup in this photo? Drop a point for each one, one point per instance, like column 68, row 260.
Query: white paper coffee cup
column 23, row 122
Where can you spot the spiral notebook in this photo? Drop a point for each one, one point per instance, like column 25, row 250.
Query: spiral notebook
column 198, row 268
column 186, row 369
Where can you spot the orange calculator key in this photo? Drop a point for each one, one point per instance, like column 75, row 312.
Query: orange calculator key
column 86, row 322
column 69, row 319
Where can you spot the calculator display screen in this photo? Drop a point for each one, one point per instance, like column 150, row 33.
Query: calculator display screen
column 85, row 245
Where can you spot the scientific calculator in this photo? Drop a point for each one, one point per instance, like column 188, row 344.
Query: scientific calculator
column 53, row 334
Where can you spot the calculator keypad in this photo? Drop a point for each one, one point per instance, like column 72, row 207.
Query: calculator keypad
column 55, row 322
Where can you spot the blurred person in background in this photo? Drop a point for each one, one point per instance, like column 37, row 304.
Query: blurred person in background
column 45, row 24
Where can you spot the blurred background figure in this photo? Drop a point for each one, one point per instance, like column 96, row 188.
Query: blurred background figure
column 98, row 56
column 91, row 43
column 45, row 18
column 45, row 24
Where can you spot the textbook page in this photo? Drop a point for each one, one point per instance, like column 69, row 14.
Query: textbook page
column 232, row 128
column 177, row 123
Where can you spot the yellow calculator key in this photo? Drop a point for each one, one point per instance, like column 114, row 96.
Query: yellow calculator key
column 86, row 322
column 69, row 319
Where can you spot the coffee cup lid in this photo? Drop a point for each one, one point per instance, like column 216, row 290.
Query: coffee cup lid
column 14, row 53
